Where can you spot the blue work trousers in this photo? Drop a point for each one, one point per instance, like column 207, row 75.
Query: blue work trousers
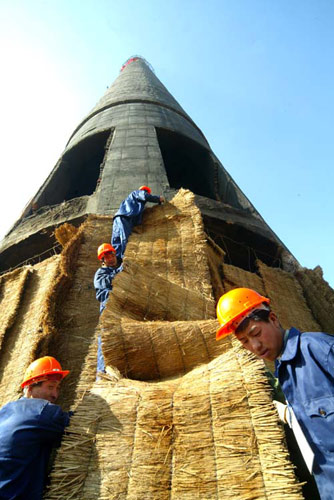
column 121, row 230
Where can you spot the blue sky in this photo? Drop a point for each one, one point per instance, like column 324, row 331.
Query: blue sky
column 256, row 76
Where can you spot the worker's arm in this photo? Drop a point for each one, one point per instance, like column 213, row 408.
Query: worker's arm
column 145, row 196
column 52, row 423
column 103, row 279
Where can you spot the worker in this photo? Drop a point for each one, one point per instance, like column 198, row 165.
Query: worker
column 111, row 265
column 29, row 428
column 130, row 214
column 304, row 367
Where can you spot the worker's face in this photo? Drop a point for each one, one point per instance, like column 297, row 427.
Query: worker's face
column 49, row 390
column 110, row 259
column 262, row 338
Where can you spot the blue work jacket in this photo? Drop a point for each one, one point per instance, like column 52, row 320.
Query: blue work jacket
column 29, row 428
column 103, row 283
column 134, row 204
column 306, row 374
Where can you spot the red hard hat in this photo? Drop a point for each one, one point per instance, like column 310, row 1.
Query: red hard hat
column 146, row 188
column 39, row 370
column 234, row 306
column 104, row 248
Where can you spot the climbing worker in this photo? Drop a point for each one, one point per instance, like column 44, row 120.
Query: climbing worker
column 29, row 428
column 304, row 367
column 111, row 265
column 130, row 214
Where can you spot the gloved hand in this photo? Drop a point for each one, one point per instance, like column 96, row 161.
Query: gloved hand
column 282, row 411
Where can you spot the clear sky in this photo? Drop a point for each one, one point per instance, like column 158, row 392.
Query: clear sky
column 255, row 75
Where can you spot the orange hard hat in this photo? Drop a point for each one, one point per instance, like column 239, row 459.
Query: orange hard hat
column 39, row 370
column 104, row 248
column 234, row 306
column 146, row 188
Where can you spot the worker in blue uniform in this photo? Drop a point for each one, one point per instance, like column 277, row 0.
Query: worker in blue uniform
column 29, row 428
column 111, row 266
column 130, row 214
column 305, row 370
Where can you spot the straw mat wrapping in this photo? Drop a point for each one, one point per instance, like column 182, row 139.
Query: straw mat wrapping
column 20, row 345
column 235, row 277
column 11, row 290
column 159, row 350
column 287, row 299
column 171, row 242
column 319, row 296
column 215, row 256
column 74, row 311
column 139, row 294
column 212, row 433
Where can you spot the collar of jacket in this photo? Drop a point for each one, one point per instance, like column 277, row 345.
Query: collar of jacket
column 291, row 346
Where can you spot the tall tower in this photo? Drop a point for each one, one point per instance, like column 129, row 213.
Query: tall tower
column 139, row 134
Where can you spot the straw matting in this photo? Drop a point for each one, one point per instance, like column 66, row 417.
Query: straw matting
column 11, row 290
column 76, row 311
column 171, row 242
column 212, row 433
column 198, row 421
column 235, row 277
column 139, row 294
column 319, row 296
column 65, row 233
column 159, row 350
column 215, row 256
column 287, row 299
column 21, row 343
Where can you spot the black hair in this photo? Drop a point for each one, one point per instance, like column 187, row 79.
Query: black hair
column 256, row 315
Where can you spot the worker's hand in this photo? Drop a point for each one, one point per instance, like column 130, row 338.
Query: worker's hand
column 162, row 199
column 282, row 411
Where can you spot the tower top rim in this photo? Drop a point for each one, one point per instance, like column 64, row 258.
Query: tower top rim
column 134, row 58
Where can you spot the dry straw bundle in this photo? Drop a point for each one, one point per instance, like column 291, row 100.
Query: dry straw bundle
column 75, row 312
column 319, row 296
column 159, row 350
column 65, row 233
column 287, row 299
column 137, row 294
column 237, row 277
column 211, row 433
column 26, row 333
column 11, row 290
column 171, row 242
column 200, row 423
column 215, row 256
